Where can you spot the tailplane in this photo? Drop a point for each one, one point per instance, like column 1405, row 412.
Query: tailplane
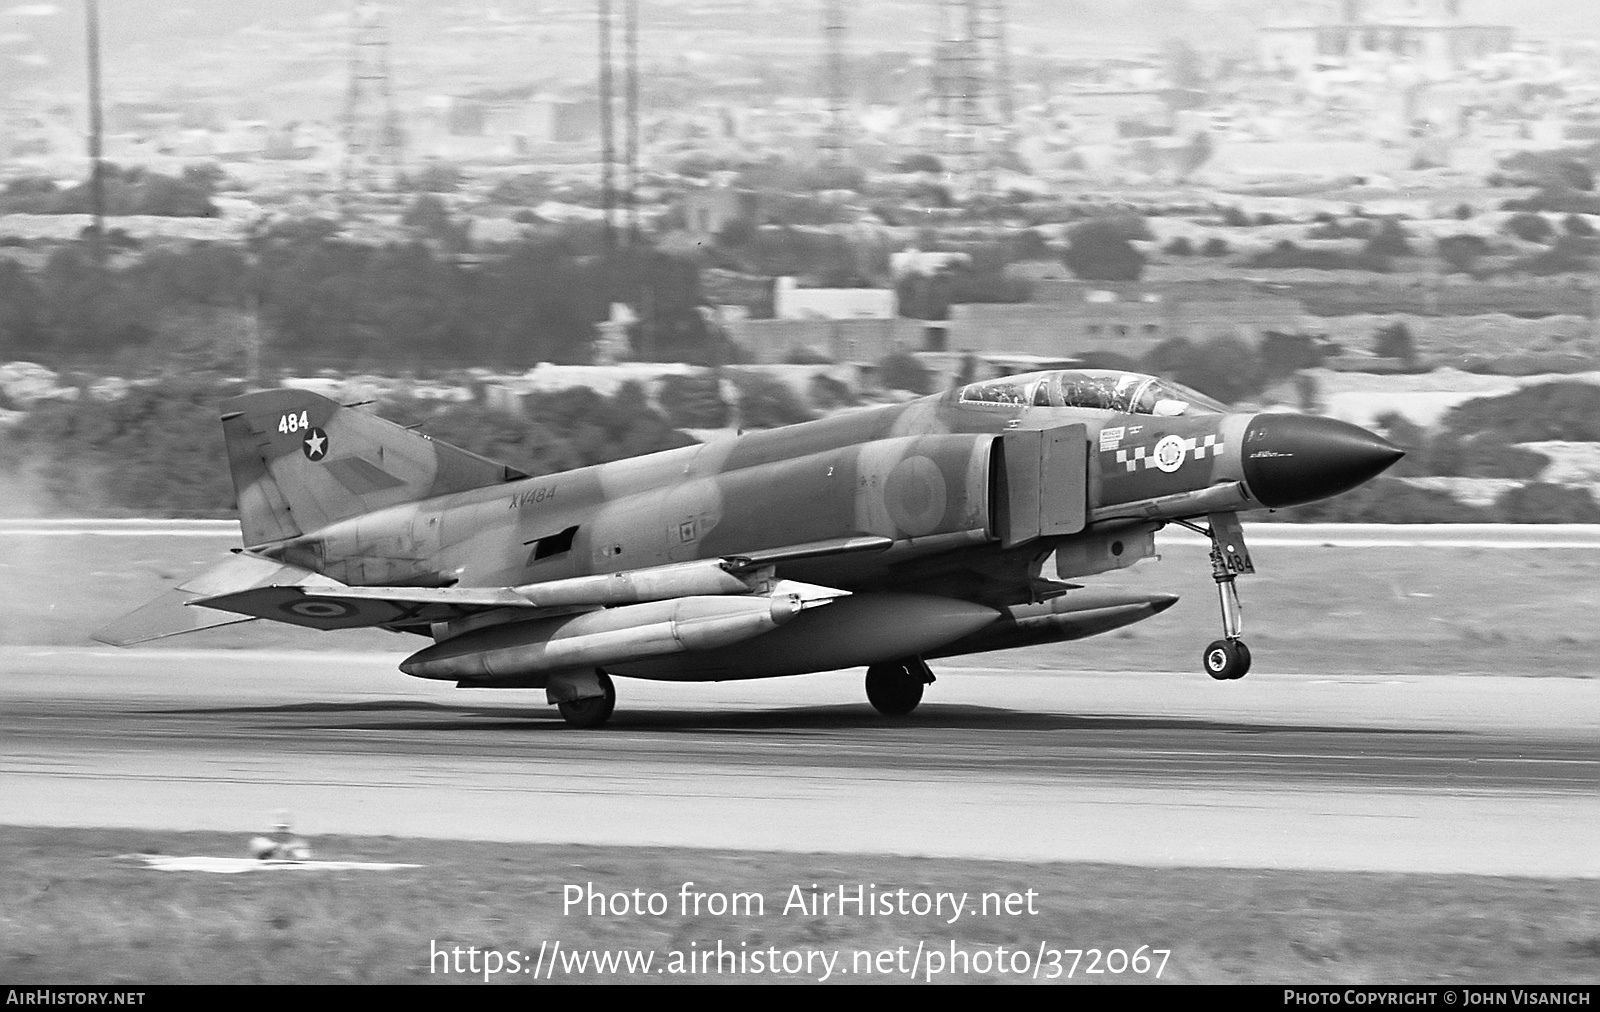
column 301, row 462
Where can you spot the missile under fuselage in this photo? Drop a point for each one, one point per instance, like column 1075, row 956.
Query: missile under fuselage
column 1072, row 616
column 866, row 629
column 604, row 637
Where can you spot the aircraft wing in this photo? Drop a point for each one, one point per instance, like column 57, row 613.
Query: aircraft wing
column 255, row 587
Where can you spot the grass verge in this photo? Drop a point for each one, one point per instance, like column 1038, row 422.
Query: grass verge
column 72, row 911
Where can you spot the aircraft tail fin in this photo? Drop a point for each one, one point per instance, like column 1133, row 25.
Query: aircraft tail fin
column 301, row 461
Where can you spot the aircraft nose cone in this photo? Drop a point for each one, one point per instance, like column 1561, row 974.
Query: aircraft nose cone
column 1293, row 459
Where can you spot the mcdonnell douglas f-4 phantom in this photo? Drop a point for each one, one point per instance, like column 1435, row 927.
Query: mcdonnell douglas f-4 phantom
column 879, row 538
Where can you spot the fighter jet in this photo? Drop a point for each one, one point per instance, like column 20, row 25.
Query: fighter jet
column 880, row 538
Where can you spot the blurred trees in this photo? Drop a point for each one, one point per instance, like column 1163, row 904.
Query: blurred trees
column 1462, row 252
column 901, row 371
column 693, row 401
column 131, row 190
column 1390, row 240
column 327, row 301
column 1530, row 227
column 1283, row 355
column 1566, row 410
column 22, row 312
column 766, row 402
column 1224, row 367
column 155, row 452
column 158, row 451
column 1101, row 249
column 1395, row 341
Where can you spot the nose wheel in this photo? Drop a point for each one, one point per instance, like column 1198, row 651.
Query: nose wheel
column 1228, row 658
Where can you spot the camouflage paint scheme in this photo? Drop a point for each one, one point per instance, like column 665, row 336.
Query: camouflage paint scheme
column 385, row 512
column 936, row 516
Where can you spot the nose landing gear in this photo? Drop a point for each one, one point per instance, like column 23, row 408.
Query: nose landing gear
column 1228, row 658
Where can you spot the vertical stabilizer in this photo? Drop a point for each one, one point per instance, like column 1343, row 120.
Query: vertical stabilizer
column 301, row 462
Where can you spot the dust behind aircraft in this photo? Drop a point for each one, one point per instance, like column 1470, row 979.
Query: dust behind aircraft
column 879, row 538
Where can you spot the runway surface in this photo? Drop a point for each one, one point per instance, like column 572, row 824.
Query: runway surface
column 1437, row 773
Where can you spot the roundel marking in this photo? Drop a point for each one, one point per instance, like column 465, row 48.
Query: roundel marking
column 319, row 609
column 1169, row 453
column 916, row 496
column 315, row 445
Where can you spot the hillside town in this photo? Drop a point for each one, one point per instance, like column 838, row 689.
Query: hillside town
column 1376, row 209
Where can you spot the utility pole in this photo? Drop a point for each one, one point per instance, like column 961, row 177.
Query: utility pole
column 834, row 136
column 608, row 154
column 630, row 35
column 97, row 178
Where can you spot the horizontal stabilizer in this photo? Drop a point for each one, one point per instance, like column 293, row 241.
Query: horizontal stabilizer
column 296, row 607
column 167, row 615
column 171, row 614
column 300, row 597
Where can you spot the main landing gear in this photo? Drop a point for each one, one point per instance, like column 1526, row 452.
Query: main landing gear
column 1228, row 658
column 591, row 711
column 894, row 689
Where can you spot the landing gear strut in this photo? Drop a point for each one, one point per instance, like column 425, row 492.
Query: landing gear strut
column 894, row 689
column 1228, row 658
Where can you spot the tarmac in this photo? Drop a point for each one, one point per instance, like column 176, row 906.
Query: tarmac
column 1480, row 774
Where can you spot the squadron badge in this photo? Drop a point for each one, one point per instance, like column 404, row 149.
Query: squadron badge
column 1169, row 453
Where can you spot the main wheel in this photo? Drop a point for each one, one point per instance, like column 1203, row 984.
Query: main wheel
column 894, row 690
column 1226, row 660
column 593, row 711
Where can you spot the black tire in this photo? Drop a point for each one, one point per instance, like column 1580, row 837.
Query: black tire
column 593, row 711
column 1244, row 659
column 894, row 690
column 1226, row 660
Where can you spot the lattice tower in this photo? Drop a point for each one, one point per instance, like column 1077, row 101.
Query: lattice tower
column 372, row 137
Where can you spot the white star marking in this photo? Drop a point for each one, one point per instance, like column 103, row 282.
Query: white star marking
column 314, row 444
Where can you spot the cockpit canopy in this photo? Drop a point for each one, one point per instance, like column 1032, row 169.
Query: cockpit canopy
column 1130, row 393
